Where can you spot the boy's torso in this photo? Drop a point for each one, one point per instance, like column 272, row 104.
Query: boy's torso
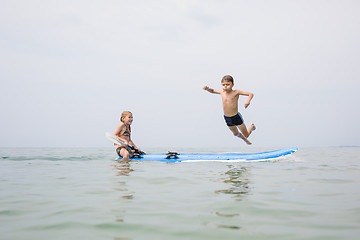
column 230, row 102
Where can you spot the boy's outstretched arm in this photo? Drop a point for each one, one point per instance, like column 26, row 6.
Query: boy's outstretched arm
column 210, row 90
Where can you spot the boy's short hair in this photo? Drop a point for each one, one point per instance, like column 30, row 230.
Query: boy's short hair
column 228, row 78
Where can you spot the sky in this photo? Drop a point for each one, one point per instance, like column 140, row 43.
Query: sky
column 69, row 68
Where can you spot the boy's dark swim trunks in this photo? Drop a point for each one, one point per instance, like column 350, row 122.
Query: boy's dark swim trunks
column 234, row 120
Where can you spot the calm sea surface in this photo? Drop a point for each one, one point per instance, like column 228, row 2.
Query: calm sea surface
column 82, row 193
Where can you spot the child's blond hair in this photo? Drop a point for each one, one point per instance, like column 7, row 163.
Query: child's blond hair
column 124, row 114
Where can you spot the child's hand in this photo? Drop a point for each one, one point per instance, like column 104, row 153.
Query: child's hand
column 206, row 88
column 247, row 104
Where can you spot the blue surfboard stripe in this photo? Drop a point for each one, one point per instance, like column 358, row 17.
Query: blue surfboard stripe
column 218, row 156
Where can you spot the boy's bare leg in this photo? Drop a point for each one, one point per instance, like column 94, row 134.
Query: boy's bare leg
column 238, row 134
column 248, row 131
column 251, row 128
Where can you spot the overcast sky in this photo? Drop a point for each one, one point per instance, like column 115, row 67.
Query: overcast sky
column 69, row 68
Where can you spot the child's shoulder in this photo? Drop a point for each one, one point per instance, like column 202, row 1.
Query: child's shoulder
column 121, row 125
column 233, row 91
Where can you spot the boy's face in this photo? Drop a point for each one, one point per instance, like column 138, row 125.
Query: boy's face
column 227, row 85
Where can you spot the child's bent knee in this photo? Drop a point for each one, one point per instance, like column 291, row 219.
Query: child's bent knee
column 125, row 154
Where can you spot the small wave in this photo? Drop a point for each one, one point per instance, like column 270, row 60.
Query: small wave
column 55, row 154
column 47, row 158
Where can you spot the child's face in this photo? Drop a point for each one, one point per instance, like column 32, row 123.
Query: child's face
column 227, row 85
column 128, row 119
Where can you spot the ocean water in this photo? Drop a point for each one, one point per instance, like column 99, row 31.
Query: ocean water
column 83, row 193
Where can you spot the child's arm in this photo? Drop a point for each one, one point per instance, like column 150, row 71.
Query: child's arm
column 210, row 90
column 119, row 129
column 118, row 132
column 133, row 144
column 124, row 140
column 251, row 95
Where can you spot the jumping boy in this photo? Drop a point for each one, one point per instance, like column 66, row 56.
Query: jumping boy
column 230, row 99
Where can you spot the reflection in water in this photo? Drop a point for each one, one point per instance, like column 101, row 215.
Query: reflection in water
column 122, row 169
column 228, row 227
column 239, row 187
column 227, row 215
column 237, row 178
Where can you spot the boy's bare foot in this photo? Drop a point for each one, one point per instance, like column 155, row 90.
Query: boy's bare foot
column 244, row 138
column 253, row 128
